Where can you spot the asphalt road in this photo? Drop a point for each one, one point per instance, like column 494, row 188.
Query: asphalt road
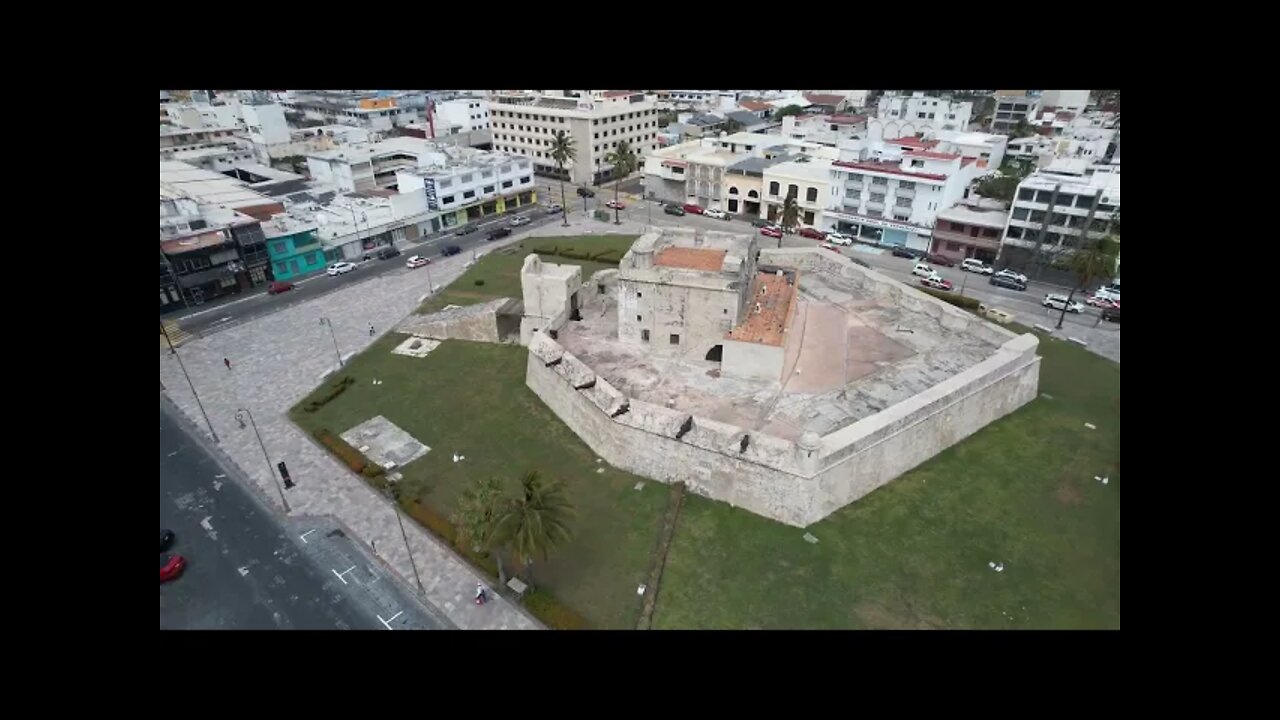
column 248, row 570
column 232, row 311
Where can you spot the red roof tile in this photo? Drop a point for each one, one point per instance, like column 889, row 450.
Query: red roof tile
column 619, row 93
column 967, row 162
column 932, row 155
column 755, row 105
column 890, row 168
column 847, row 119
column 824, row 99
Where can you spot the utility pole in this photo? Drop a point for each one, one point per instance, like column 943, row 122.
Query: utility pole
column 174, row 351
column 327, row 321
column 270, row 470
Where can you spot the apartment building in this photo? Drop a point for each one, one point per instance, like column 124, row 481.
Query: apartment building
column 1053, row 212
column 1012, row 109
column 207, row 251
column 177, row 139
column 917, row 114
column 825, row 128
column 807, row 179
column 372, row 112
column 203, row 115
column 987, row 148
column 1074, row 101
column 461, row 115
column 524, row 124
column 699, row 171
column 971, row 229
column 467, row 185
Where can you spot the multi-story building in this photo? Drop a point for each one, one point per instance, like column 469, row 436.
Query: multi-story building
column 1052, row 213
column 459, row 115
column 177, row 139
column 971, row 229
column 464, row 185
column 293, row 246
column 218, row 159
column 204, row 115
column 890, row 195
column 373, row 112
column 1074, row 101
column 825, row 129
column 1012, row 109
column 807, row 180
column 987, row 148
column 917, row 114
column 1092, row 143
column 524, row 124
column 207, row 251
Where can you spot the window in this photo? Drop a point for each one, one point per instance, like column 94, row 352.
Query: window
column 1015, row 232
column 639, row 294
column 1026, row 194
column 525, row 179
column 506, row 183
column 638, row 318
column 1058, row 219
column 793, row 190
column 488, row 188
column 917, row 163
column 1020, row 213
column 469, row 194
column 877, row 197
column 1043, row 196
column 811, row 194
column 446, row 199
column 278, row 248
column 773, row 189
column 675, row 339
column 466, row 178
column 444, row 183
column 1037, row 216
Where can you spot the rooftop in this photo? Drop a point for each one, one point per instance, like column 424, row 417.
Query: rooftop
column 912, row 142
column 691, row 258
column 178, row 179
column 773, row 297
column 755, row 105
column 891, row 168
column 823, row 99
column 931, row 155
column 975, row 216
column 847, row 119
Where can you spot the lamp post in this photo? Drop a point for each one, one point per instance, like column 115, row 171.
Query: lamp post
column 393, row 492
column 240, row 414
column 327, row 321
column 174, row 351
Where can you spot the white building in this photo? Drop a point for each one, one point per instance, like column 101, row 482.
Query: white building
column 825, row 129
column 467, row 114
column 372, row 165
column 916, row 114
column 1012, row 109
column 376, row 114
column 806, row 179
column 217, row 159
column 1071, row 100
column 695, row 171
column 1053, row 211
column 462, row 184
column 265, row 124
column 989, row 149
column 891, row 195
column 1084, row 141
column 204, row 115
column 854, row 99
column 524, row 124
column 177, row 139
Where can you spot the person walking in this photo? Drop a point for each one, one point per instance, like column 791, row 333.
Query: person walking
column 226, row 362
column 370, row 329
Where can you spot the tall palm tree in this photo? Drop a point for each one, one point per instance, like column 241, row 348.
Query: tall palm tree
column 479, row 509
column 1096, row 259
column 790, row 215
column 623, row 160
column 563, row 152
column 535, row 521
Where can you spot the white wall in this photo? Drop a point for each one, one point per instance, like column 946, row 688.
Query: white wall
column 266, row 124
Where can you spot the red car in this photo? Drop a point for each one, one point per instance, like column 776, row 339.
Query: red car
column 813, row 233
column 615, row 205
column 694, row 208
column 937, row 283
column 772, row 231
column 278, row 287
column 172, row 568
column 942, row 260
column 829, row 246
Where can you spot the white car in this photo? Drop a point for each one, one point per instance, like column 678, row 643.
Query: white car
column 1007, row 273
column 976, row 266
column 416, row 261
column 1108, row 293
column 518, row 221
column 1058, row 302
column 341, row 268
column 716, row 213
column 839, row 238
column 923, row 270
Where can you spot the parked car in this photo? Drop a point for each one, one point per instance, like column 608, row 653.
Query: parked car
column 716, row 213
column 166, row 539
column 1103, row 303
column 761, row 222
column 1007, row 281
column 615, row 205
column 499, row 233
column 942, row 260
column 1007, row 273
column 1058, row 302
column 417, row 261
column 694, row 208
column 936, row 282
column 839, row 238
column 923, row 270
column 279, row 286
column 450, row 250
column 829, row 246
column 812, row 233
column 772, row 231
column 673, row 210
column 1108, row 292
column 584, row 192
column 906, row 252
column 467, row 230
column 388, row 253
column 1111, row 315
column 975, row 265
column 519, row 220
column 554, row 208
column 170, row 569
column 340, row 268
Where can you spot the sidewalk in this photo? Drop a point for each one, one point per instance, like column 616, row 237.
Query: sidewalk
column 276, row 360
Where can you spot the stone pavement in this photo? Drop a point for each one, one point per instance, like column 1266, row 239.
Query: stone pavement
column 275, row 361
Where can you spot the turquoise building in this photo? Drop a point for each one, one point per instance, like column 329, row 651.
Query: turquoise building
column 293, row 247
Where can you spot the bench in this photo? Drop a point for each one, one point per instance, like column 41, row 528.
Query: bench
column 517, row 587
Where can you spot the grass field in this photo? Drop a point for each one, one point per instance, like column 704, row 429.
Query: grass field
column 500, row 269
column 914, row 553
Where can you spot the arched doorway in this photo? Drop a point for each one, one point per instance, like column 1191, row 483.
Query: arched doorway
column 715, row 353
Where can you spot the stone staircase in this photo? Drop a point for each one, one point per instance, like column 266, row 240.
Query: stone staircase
column 176, row 335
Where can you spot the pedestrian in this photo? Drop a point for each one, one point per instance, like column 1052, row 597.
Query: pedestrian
column 370, row 329
column 226, row 362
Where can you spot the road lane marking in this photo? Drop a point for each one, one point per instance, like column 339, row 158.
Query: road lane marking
column 175, row 452
column 386, row 623
column 206, row 524
column 344, row 572
column 304, row 535
column 243, row 571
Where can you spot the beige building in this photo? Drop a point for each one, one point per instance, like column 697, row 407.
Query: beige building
column 808, row 179
column 550, row 294
column 525, row 123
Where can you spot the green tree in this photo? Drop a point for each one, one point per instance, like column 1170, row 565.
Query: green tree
column 788, row 110
column 1021, row 130
column 790, row 215
column 479, row 509
column 1094, row 260
column 563, row 152
column 535, row 522
column 624, row 161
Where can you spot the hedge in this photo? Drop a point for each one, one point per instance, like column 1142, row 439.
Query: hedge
column 605, row 256
column 352, row 457
column 959, row 301
column 338, row 387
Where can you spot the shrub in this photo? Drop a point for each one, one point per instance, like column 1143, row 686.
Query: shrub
column 479, row 283
column 352, row 457
column 325, row 396
column 959, row 301
column 551, row 611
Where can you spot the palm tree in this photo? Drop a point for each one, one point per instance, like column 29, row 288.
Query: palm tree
column 479, row 509
column 563, row 152
column 623, row 160
column 790, row 215
column 535, row 521
column 1094, row 260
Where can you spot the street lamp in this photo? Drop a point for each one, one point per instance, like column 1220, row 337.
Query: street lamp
column 327, row 321
column 174, row 351
column 240, row 415
column 393, row 492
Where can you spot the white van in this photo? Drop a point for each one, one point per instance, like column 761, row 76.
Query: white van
column 976, row 266
column 923, row 270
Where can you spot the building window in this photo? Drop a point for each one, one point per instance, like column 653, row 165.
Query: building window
column 1020, row 213
column 279, row 248
column 638, row 318
column 644, row 335
column 1015, row 232
column 446, row 199
column 953, row 246
column 506, row 183
column 469, row 194
column 773, row 189
column 675, row 339
column 811, row 194
column 466, row 178
column 793, row 191
column 1043, row 196
column 877, row 197
column 1026, row 194
column 525, row 179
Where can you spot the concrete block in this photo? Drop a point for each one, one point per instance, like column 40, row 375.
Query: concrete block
column 653, row 418
column 1078, row 341
column 576, row 372
column 1042, row 328
column 605, row 396
column 544, row 348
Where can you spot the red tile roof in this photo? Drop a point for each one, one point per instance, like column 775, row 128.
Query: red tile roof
column 914, row 142
column 967, row 162
column 824, row 99
column 932, row 155
column 755, row 105
column 691, row 258
column 847, row 119
column 776, row 298
column 619, row 93
column 890, row 168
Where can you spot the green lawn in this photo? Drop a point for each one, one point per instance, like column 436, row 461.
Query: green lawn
column 500, row 269
column 914, row 553
column 470, row 398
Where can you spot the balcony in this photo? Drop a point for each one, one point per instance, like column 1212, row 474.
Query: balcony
column 906, row 192
column 985, row 243
column 851, row 204
column 854, row 185
column 874, row 207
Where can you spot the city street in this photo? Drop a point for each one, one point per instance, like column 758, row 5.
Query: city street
column 247, row 570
